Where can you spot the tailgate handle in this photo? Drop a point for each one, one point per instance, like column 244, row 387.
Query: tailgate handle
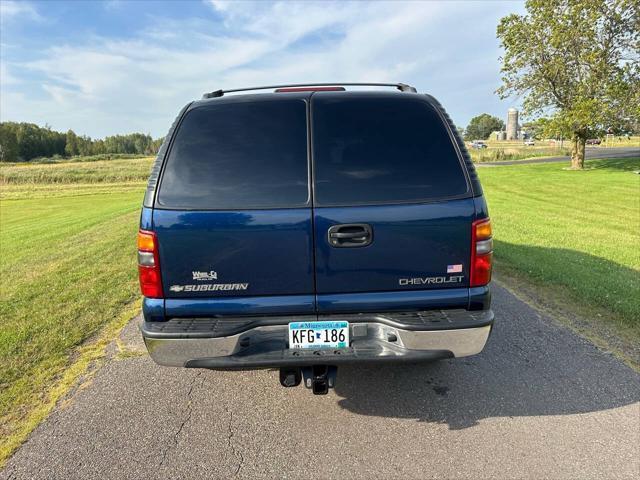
column 350, row 235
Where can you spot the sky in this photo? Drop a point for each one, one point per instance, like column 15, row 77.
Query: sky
column 103, row 68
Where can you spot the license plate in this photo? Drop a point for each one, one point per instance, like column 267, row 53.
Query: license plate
column 318, row 334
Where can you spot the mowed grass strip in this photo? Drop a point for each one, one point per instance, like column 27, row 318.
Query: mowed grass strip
column 103, row 171
column 576, row 230
column 67, row 271
column 498, row 153
column 21, row 191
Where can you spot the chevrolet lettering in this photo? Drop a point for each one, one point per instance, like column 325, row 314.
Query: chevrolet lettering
column 430, row 280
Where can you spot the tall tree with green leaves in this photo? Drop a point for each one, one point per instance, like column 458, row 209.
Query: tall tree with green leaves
column 71, row 145
column 575, row 61
column 480, row 127
column 8, row 143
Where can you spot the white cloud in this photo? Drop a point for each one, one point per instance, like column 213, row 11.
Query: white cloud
column 10, row 9
column 111, row 85
column 220, row 5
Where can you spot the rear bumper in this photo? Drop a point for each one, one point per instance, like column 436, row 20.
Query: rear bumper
column 262, row 342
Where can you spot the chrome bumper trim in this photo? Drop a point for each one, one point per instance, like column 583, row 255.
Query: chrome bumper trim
column 462, row 342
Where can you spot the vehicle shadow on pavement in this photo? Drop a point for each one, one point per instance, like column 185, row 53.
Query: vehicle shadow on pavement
column 530, row 367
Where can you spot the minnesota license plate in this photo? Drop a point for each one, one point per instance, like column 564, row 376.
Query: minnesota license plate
column 318, row 334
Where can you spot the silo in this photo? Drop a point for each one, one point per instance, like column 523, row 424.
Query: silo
column 512, row 124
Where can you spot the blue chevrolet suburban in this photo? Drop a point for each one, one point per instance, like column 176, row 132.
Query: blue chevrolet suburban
column 313, row 226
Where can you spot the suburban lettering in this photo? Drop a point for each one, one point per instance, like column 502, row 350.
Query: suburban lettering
column 215, row 287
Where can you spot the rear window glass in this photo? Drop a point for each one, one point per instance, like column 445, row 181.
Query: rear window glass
column 371, row 150
column 239, row 155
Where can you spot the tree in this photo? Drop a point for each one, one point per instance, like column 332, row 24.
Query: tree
column 26, row 141
column 480, row 127
column 537, row 128
column 576, row 61
column 71, row 145
column 8, row 143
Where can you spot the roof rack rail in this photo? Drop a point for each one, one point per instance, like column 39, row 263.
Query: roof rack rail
column 403, row 87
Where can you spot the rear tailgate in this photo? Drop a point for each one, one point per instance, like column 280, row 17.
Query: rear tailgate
column 232, row 213
column 257, row 252
column 387, row 165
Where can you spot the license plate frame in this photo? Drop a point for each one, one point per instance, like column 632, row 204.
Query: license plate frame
column 319, row 334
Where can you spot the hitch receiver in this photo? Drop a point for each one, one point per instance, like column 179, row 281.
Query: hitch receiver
column 320, row 378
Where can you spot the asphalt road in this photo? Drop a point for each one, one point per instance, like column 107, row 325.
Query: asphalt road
column 539, row 402
column 590, row 153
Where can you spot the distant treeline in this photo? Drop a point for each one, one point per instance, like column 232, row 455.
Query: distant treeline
column 26, row 141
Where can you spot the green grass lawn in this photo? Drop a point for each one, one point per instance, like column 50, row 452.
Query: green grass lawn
column 67, row 271
column 68, row 266
column 576, row 230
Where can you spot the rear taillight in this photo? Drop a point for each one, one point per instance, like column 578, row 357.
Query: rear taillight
column 481, row 252
column 149, row 265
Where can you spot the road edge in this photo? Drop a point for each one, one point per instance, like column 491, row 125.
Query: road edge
column 628, row 152
column 84, row 361
column 584, row 321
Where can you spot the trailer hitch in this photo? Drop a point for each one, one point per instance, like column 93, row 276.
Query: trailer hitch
column 319, row 378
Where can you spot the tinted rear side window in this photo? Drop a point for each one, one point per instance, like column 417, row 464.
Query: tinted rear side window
column 239, row 155
column 370, row 150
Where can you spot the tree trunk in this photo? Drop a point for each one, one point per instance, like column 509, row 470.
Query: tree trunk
column 577, row 151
